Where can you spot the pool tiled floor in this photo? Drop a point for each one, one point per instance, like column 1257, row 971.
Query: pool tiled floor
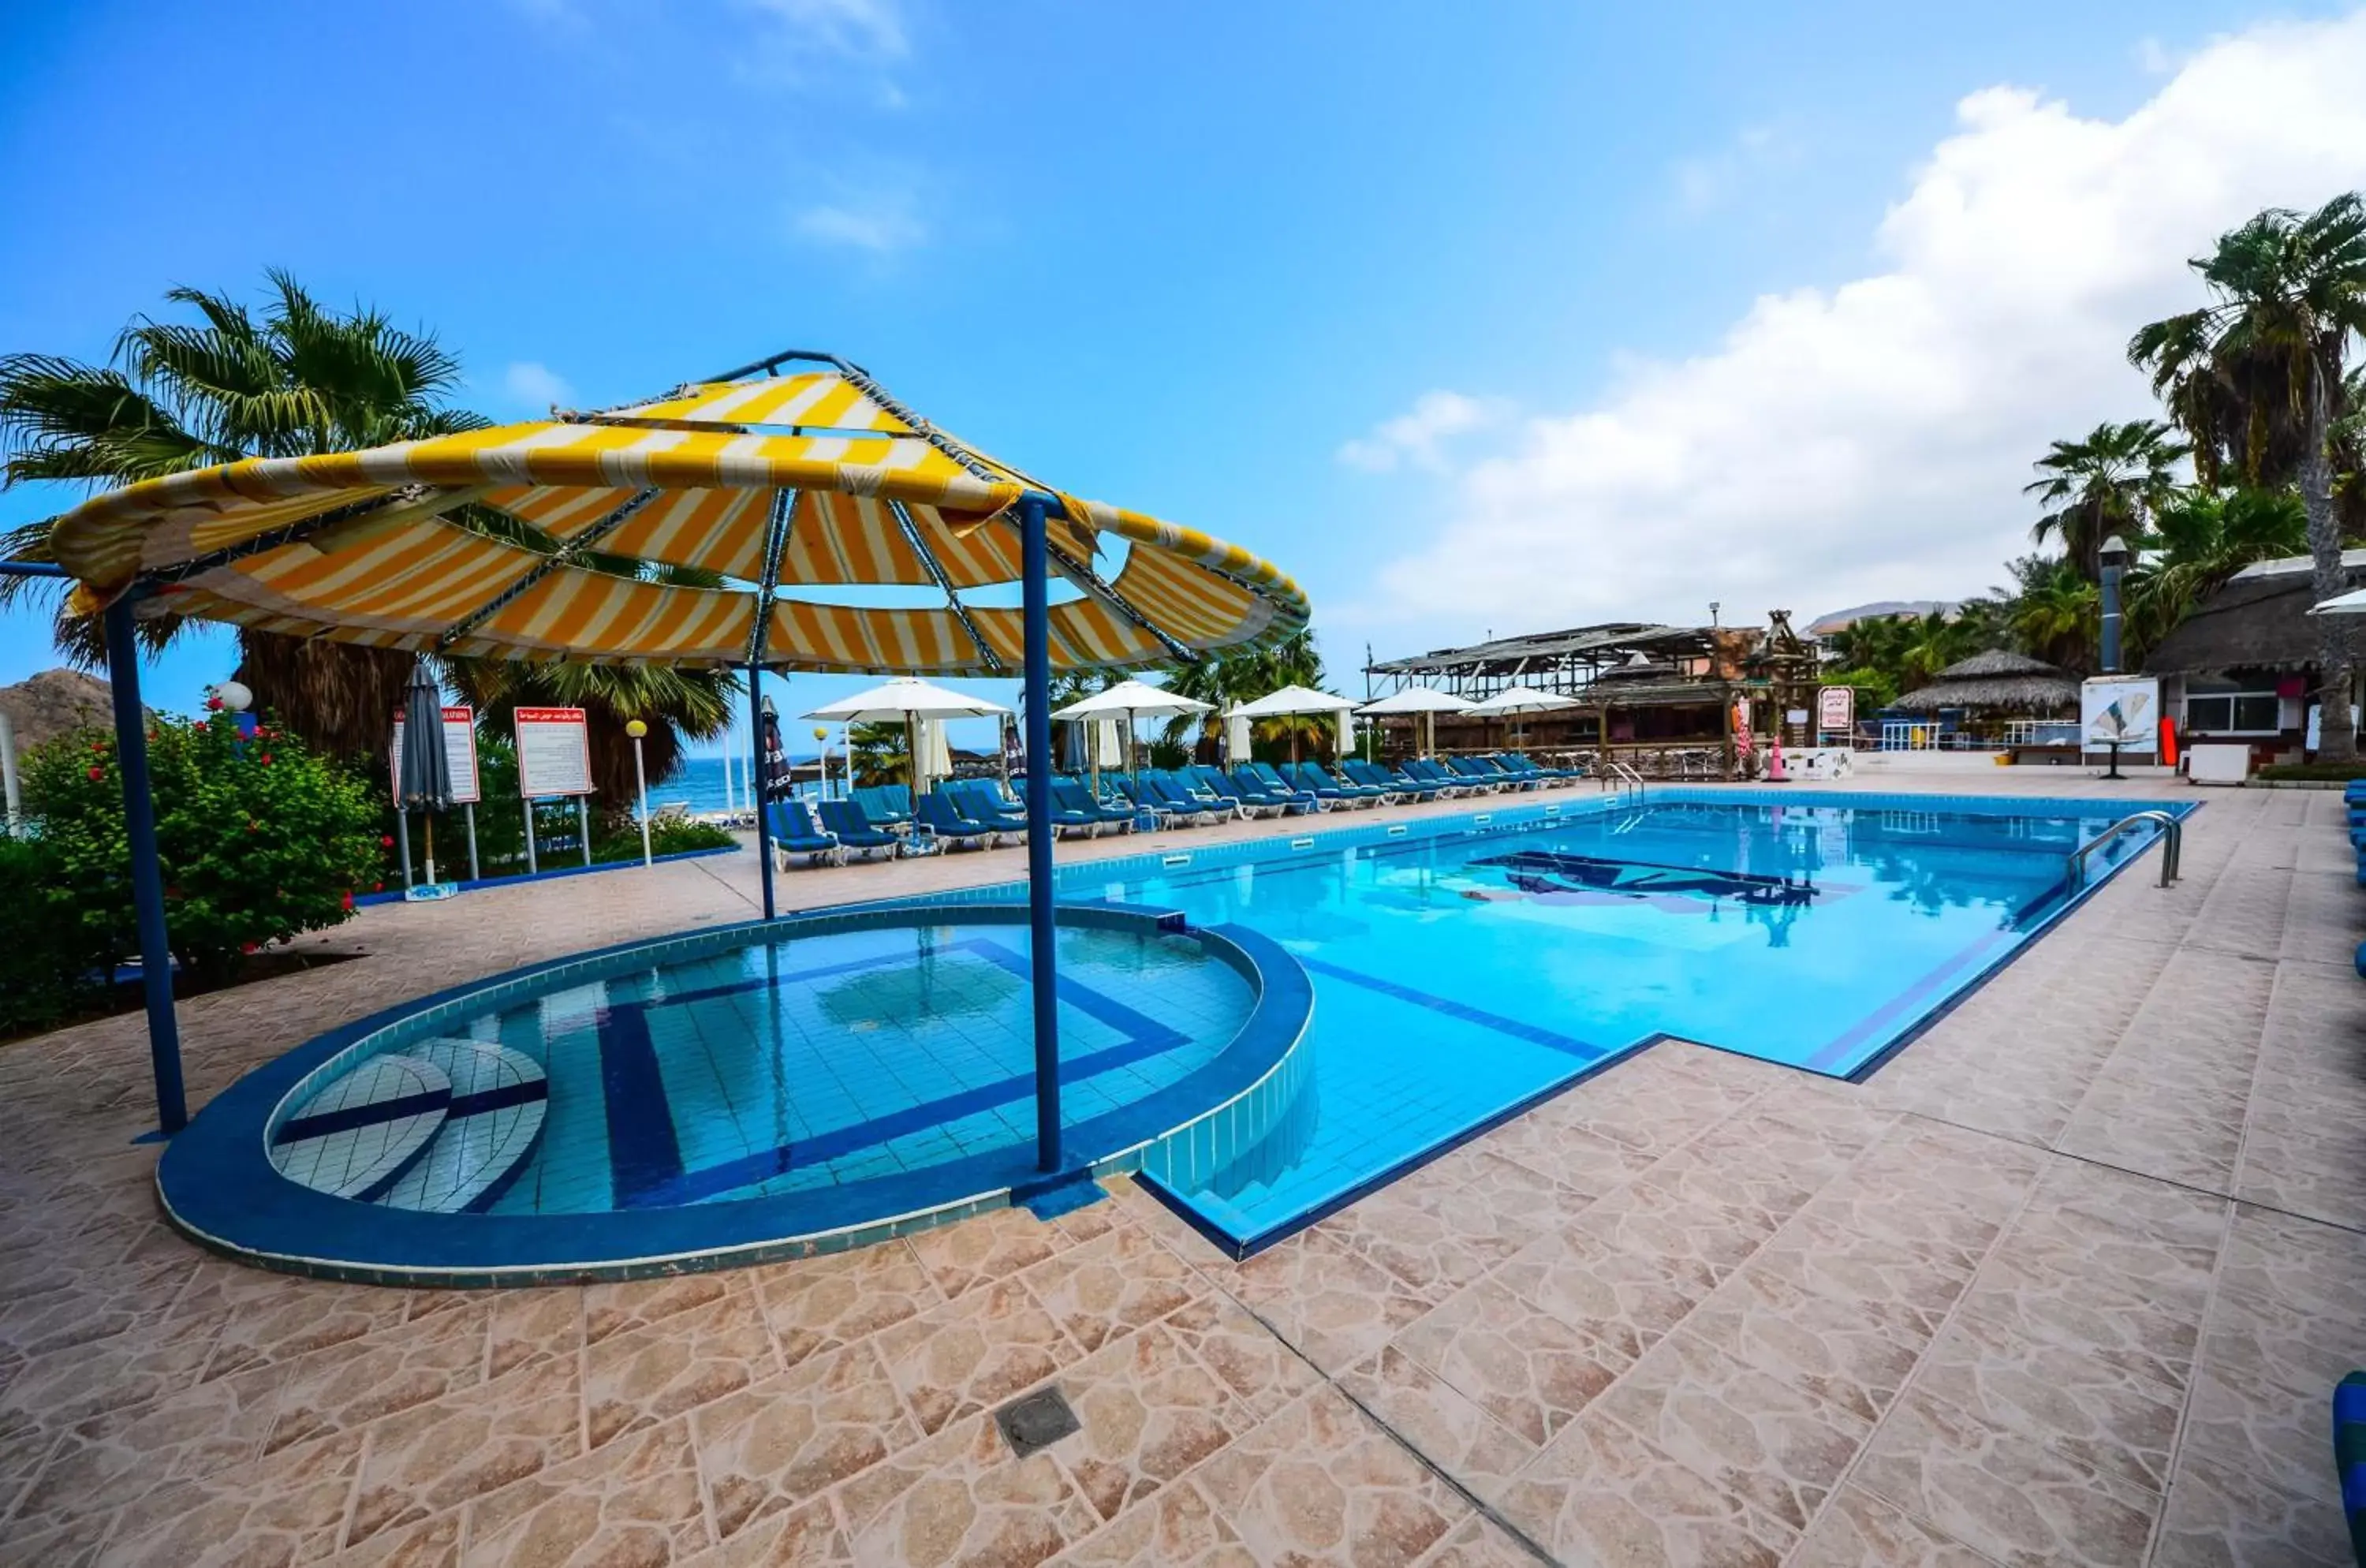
column 2067, row 1281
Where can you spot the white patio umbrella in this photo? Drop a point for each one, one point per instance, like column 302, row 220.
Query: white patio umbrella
column 2350, row 604
column 1513, row 701
column 907, row 699
column 1132, row 699
column 1423, row 703
column 1290, row 701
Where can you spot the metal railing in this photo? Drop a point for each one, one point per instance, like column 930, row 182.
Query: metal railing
column 1617, row 775
column 2173, row 845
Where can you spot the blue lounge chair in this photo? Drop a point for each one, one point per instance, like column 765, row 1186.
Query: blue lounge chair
column 1551, row 775
column 1265, row 773
column 1139, row 798
column 795, row 833
column 845, row 821
column 1313, row 776
column 1071, row 795
column 936, row 815
column 1369, row 794
column 1249, row 790
column 1477, row 775
column 1215, row 804
column 1374, row 776
column 980, row 801
column 1182, row 803
column 1063, row 814
column 1428, row 770
column 1301, row 801
column 887, row 805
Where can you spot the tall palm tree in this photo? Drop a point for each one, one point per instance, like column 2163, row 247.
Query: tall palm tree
column 2108, row 481
column 2287, row 294
column 2057, row 615
column 295, row 379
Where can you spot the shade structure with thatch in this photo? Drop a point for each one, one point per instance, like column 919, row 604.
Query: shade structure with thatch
column 1996, row 682
column 797, row 471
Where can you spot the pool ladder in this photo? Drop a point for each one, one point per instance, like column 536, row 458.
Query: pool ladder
column 1622, row 778
column 2171, row 850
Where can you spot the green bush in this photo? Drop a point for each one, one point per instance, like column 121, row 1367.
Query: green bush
column 670, row 838
column 259, row 839
column 50, row 969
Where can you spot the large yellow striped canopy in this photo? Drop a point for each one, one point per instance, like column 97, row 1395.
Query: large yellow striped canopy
column 804, row 475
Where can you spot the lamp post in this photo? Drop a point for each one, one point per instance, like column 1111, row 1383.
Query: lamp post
column 637, row 729
column 2112, row 556
column 822, row 755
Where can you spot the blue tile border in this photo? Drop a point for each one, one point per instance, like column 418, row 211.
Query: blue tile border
column 217, row 1187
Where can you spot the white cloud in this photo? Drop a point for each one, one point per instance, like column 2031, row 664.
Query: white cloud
column 1706, row 181
column 857, row 29
column 1418, row 436
column 1871, row 440
column 880, row 224
column 535, row 385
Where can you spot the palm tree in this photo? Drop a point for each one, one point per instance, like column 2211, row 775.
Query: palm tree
column 299, row 378
column 2057, row 614
column 177, row 395
column 2106, row 482
column 2287, row 293
column 2202, row 539
column 1228, row 680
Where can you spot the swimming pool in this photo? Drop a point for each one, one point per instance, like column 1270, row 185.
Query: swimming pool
column 1464, row 968
column 755, row 1091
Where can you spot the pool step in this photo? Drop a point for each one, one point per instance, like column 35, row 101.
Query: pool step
column 359, row 1135
column 498, row 1098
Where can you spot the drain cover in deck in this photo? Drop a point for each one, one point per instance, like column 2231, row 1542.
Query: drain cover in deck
column 1035, row 1422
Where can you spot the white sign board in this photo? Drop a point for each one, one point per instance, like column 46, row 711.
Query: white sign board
column 2120, row 709
column 554, row 752
column 459, row 754
column 1836, row 710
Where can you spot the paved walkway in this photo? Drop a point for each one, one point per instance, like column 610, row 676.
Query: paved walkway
column 2068, row 1282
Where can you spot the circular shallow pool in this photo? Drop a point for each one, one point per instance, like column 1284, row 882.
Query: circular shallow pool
column 764, row 1091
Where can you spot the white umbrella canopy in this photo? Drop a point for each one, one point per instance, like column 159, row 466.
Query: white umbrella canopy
column 908, row 700
column 1128, row 697
column 906, row 697
column 1293, row 700
column 2350, row 604
column 1520, row 699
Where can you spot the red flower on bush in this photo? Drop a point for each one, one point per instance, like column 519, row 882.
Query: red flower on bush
column 265, row 759
column 98, row 746
column 377, row 886
column 97, row 774
column 213, row 705
column 349, row 899
column 386, row 841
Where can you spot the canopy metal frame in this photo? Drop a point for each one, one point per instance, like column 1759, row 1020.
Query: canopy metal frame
column 1037, row 507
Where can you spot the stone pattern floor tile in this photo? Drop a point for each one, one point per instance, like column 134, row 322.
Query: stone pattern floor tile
column 2066, row 1280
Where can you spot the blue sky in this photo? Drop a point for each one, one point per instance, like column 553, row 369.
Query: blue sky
column 1444, row 311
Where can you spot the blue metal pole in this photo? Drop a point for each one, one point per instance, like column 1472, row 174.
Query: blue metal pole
column 147, row 873
column 1043, row 963
column 756, row 782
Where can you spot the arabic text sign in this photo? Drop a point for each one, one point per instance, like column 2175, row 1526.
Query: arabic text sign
column 2120, row 710
column 1836, row 708
column 459, row 754
column 554, row 752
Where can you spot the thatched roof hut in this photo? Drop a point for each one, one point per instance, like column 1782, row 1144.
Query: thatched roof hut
column 1997, row 681
column 2258, row 621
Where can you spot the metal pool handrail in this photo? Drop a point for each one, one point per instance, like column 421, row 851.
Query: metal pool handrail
column 1619, row 776
column 2171, row 850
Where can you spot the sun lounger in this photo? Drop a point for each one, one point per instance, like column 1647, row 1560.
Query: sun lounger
column 846, row 821
column 1063, row 814
column 1216, row 803
column 1071, row 795
column 1275, row 791
column 980, row 801
column 795, row 833
column 936, row 815
column 1374, row 776
column 1178, row 801
column 1426, row 769
column 1326, row 786
column 887, row 805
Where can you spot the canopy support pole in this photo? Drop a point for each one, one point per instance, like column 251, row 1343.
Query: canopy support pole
column 147, row 873
column 1042, row 954
column 756, row 782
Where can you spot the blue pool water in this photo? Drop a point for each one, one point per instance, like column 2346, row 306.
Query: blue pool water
column 1461, row 969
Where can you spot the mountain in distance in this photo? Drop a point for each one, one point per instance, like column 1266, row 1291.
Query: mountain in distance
column 1838, row 621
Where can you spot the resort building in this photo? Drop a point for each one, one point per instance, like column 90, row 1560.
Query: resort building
column 2243, row 667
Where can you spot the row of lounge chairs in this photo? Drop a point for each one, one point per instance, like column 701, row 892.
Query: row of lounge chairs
column 886, row 822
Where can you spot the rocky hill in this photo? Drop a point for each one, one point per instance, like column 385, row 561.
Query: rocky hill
column 53, row 703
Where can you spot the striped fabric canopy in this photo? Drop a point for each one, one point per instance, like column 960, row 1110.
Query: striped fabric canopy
column 806, row 475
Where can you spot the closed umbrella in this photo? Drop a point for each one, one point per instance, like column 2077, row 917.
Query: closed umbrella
column 1133, row 699
column 423, row 781
column 777, row 783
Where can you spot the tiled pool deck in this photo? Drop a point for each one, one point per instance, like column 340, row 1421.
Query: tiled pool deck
column 2069, row 1281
